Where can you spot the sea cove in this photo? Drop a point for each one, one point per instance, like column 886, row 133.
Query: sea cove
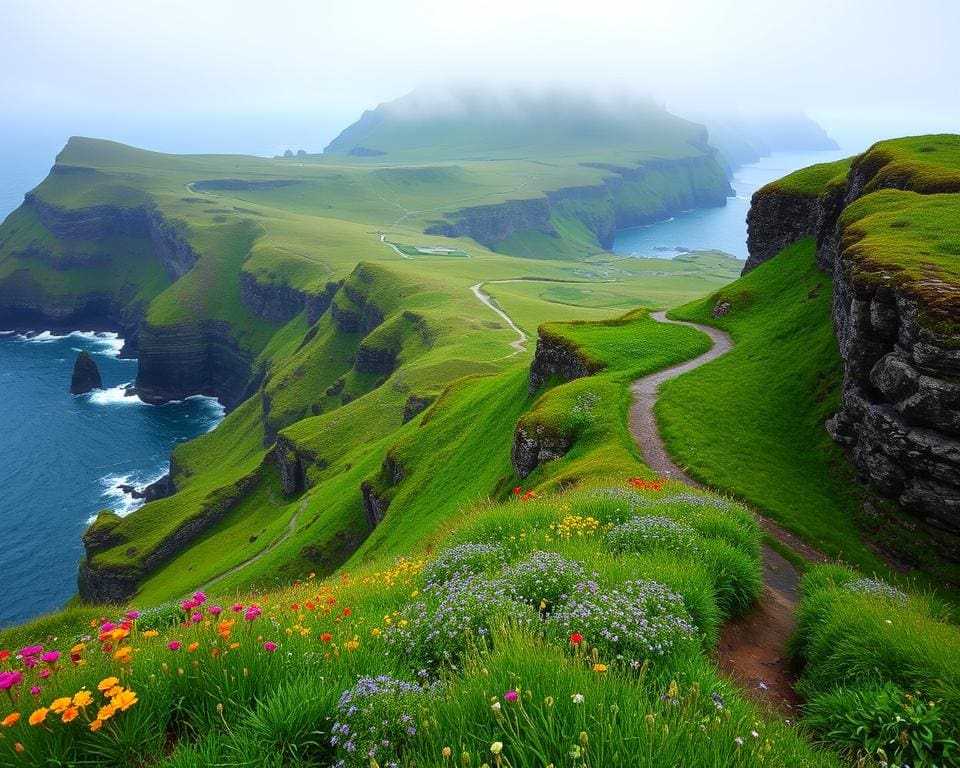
column 63, row 458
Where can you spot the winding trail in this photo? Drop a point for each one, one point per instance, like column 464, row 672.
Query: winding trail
column 291, row 529
column 752, row 649
column 520, row 345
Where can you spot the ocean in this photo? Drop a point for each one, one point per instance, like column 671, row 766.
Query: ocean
column 723, row 228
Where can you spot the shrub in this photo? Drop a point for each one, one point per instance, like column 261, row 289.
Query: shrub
column 545, row 576
column 634, row 621
column 464, row 559
column 375, row 719
column 880, row 721
column 648, row 532
column 737, row 578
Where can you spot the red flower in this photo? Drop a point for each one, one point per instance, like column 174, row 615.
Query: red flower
column 576, row 638
column 326, row 637
column 346, row 611
column 517, row 491
column 4, row 655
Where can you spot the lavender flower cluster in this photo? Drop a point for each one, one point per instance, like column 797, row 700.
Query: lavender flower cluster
column 438, row 628
column 464, row 560
column 635, row 620
column 648, row 532
column 876, row 587
column 545, row 576
column 375, row 718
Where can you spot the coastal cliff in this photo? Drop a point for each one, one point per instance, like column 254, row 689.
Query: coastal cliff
column 883, row 230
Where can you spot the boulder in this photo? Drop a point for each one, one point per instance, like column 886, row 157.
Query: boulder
column 86, row 375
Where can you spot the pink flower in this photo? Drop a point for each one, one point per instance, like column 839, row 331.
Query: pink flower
column 107, row 627
column 199, row 598
column 31, row 650
column 35, row 690
column 173, row 645
column 50, row 657
column 10, row 679
column 188, row 605
column 30, row 662
column 253, row 612
column 216, row 610
column 197, row 617
column 237, row 607
column 510, row 696
column 133, row 614
column 43, row 674
column 269, row 646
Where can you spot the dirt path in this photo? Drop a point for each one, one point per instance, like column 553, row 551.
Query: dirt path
column 752, row 650
column 291, row 528
column 520, row 345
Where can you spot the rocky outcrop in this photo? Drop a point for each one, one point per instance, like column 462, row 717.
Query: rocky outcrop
column 536, row 444
column 193, row 358
column 415, row 405
column 352, row 312
column 777, row 220
column 555, row 356
column 372, row 358
column 86, row 375
column 293, row 463
column 374, row 504
column 279, row 303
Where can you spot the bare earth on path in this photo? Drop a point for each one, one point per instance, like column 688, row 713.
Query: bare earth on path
column 752, row 649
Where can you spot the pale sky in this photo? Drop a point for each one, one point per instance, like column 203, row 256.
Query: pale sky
column 843, row 58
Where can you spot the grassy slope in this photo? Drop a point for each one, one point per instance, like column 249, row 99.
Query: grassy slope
column 752, row 421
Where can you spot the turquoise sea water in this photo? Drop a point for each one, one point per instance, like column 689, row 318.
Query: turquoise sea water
column 723, row 228
column 63, row 456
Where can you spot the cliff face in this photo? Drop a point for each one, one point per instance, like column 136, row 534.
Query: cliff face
column 900, row 410
column 627, row 197
column 280, row 303
column 195, row 358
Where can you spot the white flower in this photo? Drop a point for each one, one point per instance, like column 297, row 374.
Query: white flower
column 496, row 747
column 495, row 706
column 738, row 741
column 755, row 734
column 577, row 698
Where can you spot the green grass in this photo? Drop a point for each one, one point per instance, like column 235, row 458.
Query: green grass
column 223, row 697
column 814, row 180
column 751, row 422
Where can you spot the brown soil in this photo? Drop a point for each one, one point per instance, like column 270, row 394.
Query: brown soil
column 752, row 650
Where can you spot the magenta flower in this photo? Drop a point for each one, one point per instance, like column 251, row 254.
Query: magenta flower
column 216, row 610
column 173, row 645
column 108, row 626
column 237, row 607
column 510, row 696
column 269, row 646
column 30, row 662
column 133, row 614
column 188, row 605
column 50, row 657
column 35, row 690
column 10, row 679
column 43, row 674
column 199, row 598
column 197, row 617
column 253, row 612
column 31, row 650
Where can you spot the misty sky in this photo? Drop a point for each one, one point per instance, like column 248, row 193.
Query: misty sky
column 330, row 60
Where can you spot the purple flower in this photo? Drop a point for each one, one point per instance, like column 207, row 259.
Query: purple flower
column 199, row 598
column 174, row 645
column 269, row 646
column 35, row 690
column 253, row 612
column 133, row 615
column 511, row 696
column 10, row 679
column 197, row 617
column 216, row 610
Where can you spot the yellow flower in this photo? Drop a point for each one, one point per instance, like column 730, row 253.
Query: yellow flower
column 107, row 683
column 59, row 705
column 10, row 720
column 124, row 700
column 77, row 649
column 70, row 714
column 113, row 691
column 123, row 654
column 82, row 699
column 39, row 716
column 375, row 632
column 149, row 633
column 599, row 667
column 96, row 725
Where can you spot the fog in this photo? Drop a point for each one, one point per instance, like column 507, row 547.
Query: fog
column 103, row 64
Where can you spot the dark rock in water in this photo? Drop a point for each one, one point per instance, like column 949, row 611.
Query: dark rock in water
column 86, row 375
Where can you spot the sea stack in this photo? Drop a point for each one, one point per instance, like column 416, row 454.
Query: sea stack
column 86, row 375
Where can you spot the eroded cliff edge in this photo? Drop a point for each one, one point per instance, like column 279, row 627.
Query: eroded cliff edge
column 886, row 230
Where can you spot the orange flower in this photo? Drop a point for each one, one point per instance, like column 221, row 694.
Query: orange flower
column 60, row 705
column 193, row 646
column 123, row 654
column 106, row 712
column 70, row 714
column 10, row 720
column 78, row 649
column 39, row 716
column 107, row 683
column 96, row 725
column 124, row 700
column 113, row 691
column 82, row 699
